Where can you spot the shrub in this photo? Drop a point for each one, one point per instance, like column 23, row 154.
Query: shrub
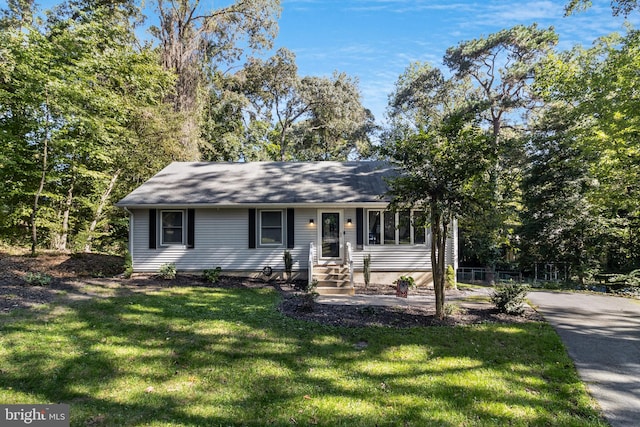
column 168, row 271
column 128, row 266
column 510, row 298
column 367, row 270
column 212, row 275
column 37, row 278
column 288, row 263
column 451, row 277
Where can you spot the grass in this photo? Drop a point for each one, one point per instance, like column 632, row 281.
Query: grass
column 223, row 357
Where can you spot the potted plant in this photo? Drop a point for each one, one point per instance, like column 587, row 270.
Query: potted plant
column 403, row 283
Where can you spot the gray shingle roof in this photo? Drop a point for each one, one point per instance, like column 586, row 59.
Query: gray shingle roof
column 224, row 184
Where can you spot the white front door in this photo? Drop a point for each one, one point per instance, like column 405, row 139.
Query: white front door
column 331, row 233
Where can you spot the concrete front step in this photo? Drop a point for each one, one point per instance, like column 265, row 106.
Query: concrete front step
column 334, row 283
column 333, row 280
column 333, row 290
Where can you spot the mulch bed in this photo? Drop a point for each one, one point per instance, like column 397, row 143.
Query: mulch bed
column 70, row 272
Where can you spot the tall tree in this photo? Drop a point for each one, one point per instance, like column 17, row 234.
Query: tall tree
column 194, row 40
column 316, row 118
column 442, row 156
column 502, row 67
column 596, row 91
column 76, row 88
column 560, row 226
column 619, row 7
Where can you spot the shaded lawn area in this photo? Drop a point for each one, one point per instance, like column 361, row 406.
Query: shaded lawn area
column 225, row 357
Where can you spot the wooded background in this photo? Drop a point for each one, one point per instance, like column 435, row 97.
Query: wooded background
column 536, row 151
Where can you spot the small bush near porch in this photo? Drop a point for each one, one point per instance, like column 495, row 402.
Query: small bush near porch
column 209, row 356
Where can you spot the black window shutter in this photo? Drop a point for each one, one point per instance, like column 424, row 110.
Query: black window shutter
column 252, row 228
column 153, row 229
column 360, row 227
column 191, row 226
column 290, row 228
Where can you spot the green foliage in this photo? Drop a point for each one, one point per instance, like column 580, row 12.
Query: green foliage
column 317, row 118
column 443, row 156
column 168, row 271
column 37, row 278
column 366, row 272
column 74, row 123
column 451, row 277
column 581, row 191
column 408, row 280
column 510, row 298
column 618, row 7
column 451, row 309
column 212, row 275
column 128, row 265
column 288, row 263
column 502, row 66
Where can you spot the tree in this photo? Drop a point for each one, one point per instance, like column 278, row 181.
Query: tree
column 502, row 67
column 619, row 7
column 193, row 41
column 559, row 223
column 441, row 160
column 595, row 92
column 323, row 116
column 68, row 112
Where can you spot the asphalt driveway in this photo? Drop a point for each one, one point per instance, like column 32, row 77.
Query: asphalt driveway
column 602, row 336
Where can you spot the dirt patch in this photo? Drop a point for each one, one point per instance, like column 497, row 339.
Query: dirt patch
column 100, row 276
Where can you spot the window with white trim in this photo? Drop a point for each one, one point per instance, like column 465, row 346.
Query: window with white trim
column 172, row 228
column 395, row 228
column 271, row 228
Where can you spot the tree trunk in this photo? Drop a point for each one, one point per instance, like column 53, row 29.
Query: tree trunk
column 43, row 177
column 98, row 213
column 438, row 251
column 60, row 240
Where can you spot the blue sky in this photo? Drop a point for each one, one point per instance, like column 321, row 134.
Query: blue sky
column 375, row 40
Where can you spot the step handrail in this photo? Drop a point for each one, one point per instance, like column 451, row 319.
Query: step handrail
column 350, row 261
column 312, row 256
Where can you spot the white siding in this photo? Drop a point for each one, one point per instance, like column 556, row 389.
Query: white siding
column 395, row 258
column 221, row 240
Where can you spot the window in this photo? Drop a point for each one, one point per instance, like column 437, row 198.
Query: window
column 374, row 228
column 404, row 227
column 389, row 228
column 271, row 228
column 396, row 228
column 172, row 232
column 419, row 228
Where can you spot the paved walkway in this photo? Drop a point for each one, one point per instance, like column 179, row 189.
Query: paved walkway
column 392, row 300
column 602, row 336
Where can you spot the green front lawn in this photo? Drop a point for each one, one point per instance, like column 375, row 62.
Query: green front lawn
column 219, row 357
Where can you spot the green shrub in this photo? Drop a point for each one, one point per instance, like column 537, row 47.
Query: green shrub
column 367, row 270
column 168, row 271
column 510, row 298
column 451, row 309
column 212, row 275
column 128, row 265
column 37, row 278
column 288, row 263
column 451, row 277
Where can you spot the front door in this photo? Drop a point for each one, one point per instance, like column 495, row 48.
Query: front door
column 331, row 230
